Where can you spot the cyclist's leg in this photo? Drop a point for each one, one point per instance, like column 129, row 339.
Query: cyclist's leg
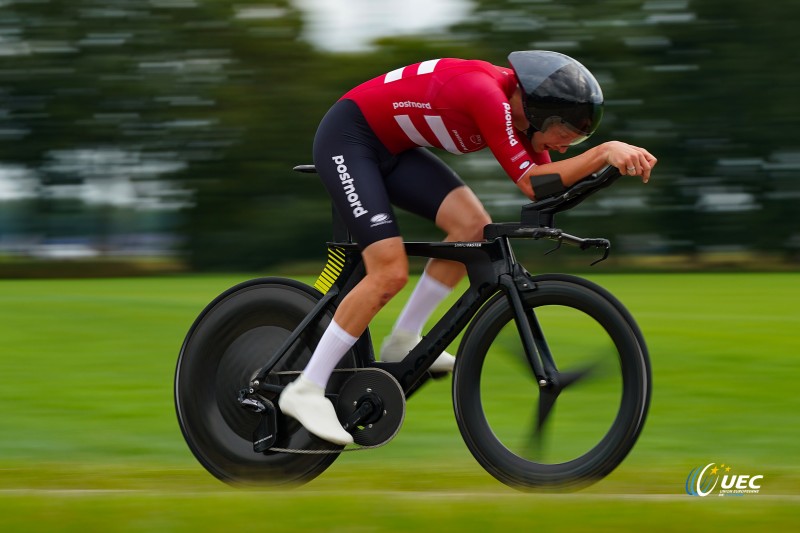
column 348, row 161
column 304, row 399
column 462, row 216
column 425, row 185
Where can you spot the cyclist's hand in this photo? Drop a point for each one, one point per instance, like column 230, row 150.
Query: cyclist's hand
column 630, row 160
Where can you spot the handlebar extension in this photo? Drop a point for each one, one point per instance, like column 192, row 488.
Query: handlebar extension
column 536, row 221
column 541, row 212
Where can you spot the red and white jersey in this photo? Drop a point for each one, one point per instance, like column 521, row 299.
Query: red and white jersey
column 454, row 104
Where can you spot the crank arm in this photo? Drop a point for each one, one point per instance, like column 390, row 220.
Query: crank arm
column 360, row 414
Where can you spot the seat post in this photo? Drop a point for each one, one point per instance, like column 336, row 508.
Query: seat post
column 340, row 231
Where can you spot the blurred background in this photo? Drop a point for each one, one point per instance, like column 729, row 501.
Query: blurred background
column 159, row 135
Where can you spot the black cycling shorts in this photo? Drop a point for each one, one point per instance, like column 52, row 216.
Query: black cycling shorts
column 364, row 179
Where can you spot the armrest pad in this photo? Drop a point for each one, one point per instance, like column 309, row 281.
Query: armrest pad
column 547, row 185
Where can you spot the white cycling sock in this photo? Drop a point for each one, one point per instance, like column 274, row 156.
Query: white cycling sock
column 331, row 348
column 427, row 296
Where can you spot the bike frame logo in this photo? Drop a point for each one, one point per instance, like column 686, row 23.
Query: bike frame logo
column 704, row 479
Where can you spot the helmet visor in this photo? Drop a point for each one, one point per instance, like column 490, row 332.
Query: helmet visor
column 570, row 133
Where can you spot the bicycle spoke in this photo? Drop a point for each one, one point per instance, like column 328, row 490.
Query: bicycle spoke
column 573, row 377
column 534, row 447
column 547, row 400
column 546, row 405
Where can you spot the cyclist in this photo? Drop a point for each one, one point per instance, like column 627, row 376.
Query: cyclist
column 371, row 153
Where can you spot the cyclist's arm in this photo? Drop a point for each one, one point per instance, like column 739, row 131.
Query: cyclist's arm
column 573, row 169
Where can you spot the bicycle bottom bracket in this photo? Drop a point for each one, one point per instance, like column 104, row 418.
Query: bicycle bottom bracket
column 373, row 403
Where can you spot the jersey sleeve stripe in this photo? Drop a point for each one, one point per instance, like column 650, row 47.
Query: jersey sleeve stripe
column 404, row 121
column 426, row 67
column 440, row 130
column 394, row 75
column 522, row 175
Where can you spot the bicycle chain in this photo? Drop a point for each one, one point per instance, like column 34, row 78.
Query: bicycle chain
column 357, row 448
column 326, row 452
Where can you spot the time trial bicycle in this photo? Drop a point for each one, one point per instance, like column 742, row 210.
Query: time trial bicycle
column 530, row 343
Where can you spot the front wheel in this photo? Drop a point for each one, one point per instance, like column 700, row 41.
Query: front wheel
column 574, row 430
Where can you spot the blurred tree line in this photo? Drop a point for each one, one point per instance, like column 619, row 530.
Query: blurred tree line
column 128, row 120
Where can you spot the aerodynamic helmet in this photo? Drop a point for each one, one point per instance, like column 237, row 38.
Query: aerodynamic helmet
column 557, row 89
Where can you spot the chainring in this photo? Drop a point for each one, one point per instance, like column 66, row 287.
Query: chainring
column 381, row 389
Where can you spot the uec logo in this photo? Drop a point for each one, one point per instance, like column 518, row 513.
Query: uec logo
column 703, row 480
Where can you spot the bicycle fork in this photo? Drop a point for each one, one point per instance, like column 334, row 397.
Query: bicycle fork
column 536, row 350
column 551, row 382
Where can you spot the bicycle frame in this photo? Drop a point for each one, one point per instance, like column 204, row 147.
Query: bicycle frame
column 491, row 267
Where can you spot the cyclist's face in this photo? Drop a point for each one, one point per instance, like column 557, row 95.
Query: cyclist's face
column 557, row 137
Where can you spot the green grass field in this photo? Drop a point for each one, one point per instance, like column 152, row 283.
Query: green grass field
column 89, row 439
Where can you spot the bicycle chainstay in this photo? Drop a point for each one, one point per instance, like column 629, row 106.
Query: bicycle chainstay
column 354, row 448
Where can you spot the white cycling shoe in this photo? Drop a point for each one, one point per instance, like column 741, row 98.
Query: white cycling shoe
column 305, row 401
column 396, row 346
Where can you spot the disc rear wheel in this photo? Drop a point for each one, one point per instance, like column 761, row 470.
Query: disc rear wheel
column 232, row 339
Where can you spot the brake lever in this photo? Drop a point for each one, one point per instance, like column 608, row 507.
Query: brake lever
column 605, row 244
column 585, row 244
column 560, row 241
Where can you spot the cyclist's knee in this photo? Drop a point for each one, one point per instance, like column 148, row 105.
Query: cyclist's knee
column 462, row 216
column 391, row 282
column 387, row 266
column 477, row 224
column 387, row 280
column 469, row 227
